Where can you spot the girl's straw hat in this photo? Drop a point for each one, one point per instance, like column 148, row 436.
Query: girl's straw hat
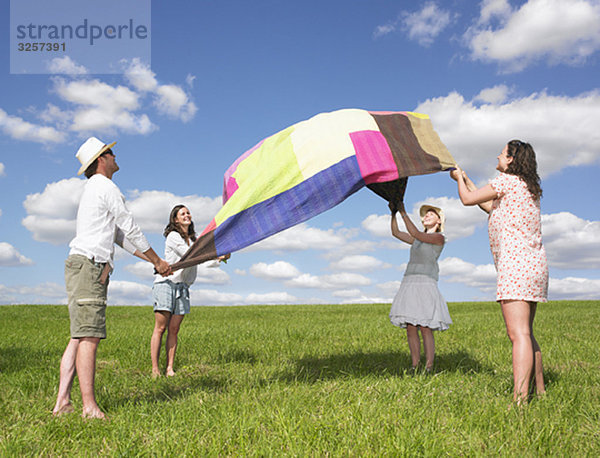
column 425, row 208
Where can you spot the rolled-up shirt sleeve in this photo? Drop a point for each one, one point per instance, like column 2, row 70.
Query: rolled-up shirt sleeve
column 125, row 223
column 123, row 242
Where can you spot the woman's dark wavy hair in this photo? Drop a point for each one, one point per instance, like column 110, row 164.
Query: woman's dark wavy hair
column 173, row 226
column 524, row 165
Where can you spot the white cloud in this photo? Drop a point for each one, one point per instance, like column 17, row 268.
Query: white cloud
column 96, row 93
column 19, row 129
column 385, row 29
column 212, row 276
column 475, row 135
column 140, row 76
column 271, row 298
column 378, row 225
column 43, row 293
column 174, row 102
column 91, row 106
column 493, row 95
column 151, row 209
column 59, row 199
column 390, row 288
column 10, row 257
column 573, row 288
column 214, row 297
column 334, row 281
column 494, row 9
column 571, row 242
column 102, row 107
column 366, row 300
column 67, row 66
column 426, row 24
column 565, row 31
column 422, row 26
column 277, row 271
column 169, row 99
column 52, row 213
column 53, row 114
column 455, row 270
column 348, row 293
column 141, row 269
column 56, row 231
column 189, row 80
column 129, row 293
column 359, row 263
column 2, row 170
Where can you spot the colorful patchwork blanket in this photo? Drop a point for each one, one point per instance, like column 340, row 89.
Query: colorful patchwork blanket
column 314, row 165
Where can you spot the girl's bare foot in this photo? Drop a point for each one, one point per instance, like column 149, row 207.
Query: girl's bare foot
column 155, row 374
column 170, row 372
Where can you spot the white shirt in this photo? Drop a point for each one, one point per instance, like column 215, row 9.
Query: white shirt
column 103, row 220
column 175, row 248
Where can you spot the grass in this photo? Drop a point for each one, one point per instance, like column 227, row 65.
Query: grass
column 303, row 380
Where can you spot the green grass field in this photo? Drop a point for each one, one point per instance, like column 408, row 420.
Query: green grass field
column 303, row 380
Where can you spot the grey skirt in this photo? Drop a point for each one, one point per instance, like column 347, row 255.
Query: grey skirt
column 419, row 302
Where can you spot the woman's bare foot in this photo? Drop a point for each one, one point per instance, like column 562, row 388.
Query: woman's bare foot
column 62, row 409
column 155, row 374
column 170, row 372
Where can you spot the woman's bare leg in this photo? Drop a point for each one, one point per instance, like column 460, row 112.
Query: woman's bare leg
column 174, row 325
column 538, row 367
column 517, row 315
column 161, row 321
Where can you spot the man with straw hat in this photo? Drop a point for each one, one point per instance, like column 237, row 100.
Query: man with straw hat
column 102, row 220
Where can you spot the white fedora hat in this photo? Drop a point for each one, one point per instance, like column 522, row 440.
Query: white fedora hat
column 425, row 208
column 89, row 151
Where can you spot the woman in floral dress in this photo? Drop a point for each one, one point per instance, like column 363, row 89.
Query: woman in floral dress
column 512, row 200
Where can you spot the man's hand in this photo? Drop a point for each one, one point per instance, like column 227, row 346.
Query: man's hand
column 163, row 268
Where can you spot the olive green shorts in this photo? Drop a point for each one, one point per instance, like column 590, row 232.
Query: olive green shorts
column 87, row 297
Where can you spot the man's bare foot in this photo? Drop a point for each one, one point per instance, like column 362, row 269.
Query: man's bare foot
column 62, row 409
column 170, row 372
column 94, row 412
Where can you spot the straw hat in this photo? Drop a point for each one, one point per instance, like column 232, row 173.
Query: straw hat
column 89, row 151
column 425, row 208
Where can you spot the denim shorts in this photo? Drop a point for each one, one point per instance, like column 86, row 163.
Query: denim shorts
column 171, row 297
column 86, row 296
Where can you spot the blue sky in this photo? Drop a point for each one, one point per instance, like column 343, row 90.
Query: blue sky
column 223, row 75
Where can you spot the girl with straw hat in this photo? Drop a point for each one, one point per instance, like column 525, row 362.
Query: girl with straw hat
column 419, row 305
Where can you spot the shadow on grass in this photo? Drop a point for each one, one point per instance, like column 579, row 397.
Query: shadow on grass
column 167, row 390
column 17, row 359
column 236, row 356
column 380, row 364
column 551, row 377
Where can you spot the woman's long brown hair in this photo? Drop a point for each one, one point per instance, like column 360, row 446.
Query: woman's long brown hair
column 173, row 226
column 524, row 165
